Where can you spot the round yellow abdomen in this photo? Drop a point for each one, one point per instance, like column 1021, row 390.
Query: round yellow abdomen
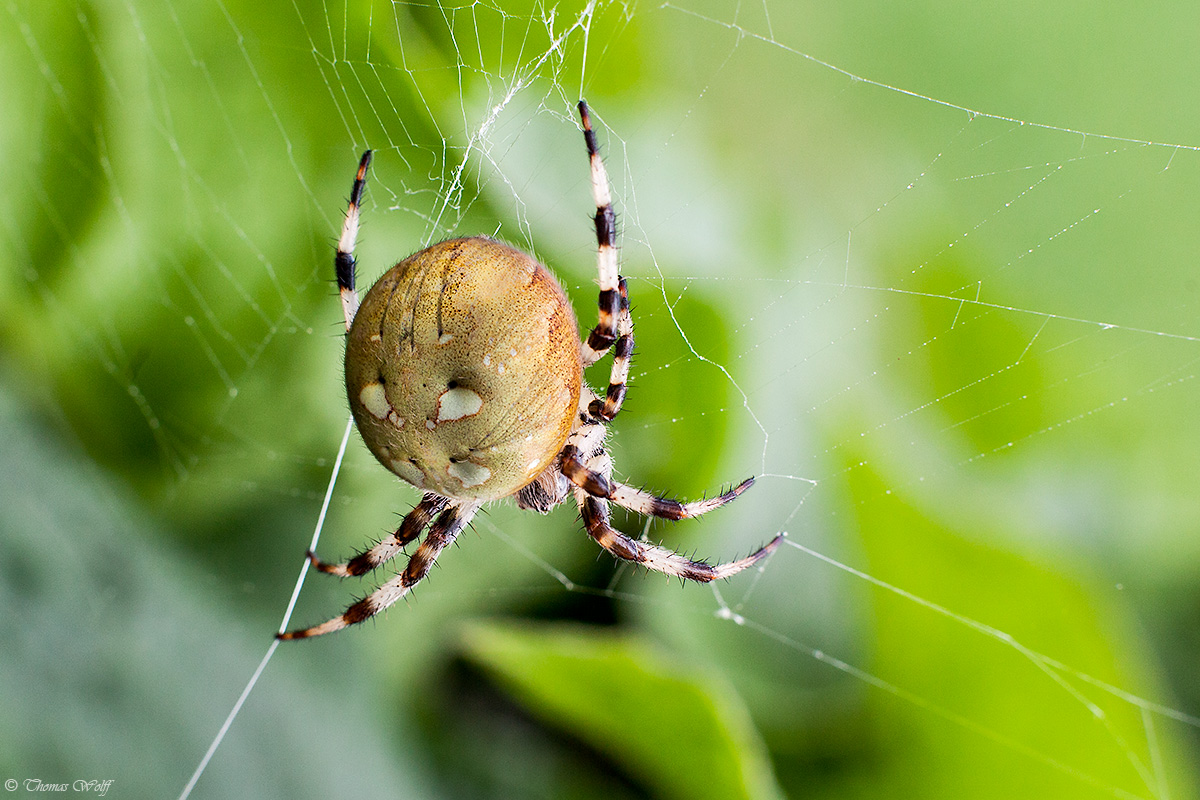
column 463, row 369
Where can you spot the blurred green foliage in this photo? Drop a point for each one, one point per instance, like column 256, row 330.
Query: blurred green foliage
column 681, row 733
column 958, row 350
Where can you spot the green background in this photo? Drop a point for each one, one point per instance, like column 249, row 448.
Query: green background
column 928, row 269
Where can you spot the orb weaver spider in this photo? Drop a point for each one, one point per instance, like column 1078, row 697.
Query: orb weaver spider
column 464, row 370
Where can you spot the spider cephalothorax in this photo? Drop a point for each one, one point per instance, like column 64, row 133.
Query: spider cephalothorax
column 464, row 371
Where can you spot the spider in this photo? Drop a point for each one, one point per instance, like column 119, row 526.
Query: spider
column 464, row 370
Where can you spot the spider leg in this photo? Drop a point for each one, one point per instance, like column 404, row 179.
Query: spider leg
column 410, row 528
column 605, row 333
column 442, row 533
column 343, row 262
column 596, row 519
column 643, row 502
column 618, row 376
column 585, row 464
column 593, row 481
column 615, row 326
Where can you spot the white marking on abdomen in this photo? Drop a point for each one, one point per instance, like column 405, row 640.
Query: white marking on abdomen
column 457, row 403
column 469, row 473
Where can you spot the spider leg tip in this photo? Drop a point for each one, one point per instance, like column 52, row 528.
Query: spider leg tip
column 585, row 118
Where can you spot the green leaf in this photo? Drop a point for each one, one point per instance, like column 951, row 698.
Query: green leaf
column 684, row 733
column 1004, row 695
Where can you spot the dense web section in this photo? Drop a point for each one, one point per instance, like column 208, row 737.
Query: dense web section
column 956, row 347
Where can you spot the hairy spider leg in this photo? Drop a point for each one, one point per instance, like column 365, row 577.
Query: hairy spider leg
column 588, row 467
column 615, row 326
column 594, row 511
column 605, row 333
column 343, row 262
column 441, row 534
column 412, row 526
column 597, row 484
column 647, row 504
column 622, row 351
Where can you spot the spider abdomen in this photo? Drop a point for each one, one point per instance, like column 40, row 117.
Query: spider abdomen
column 463, row 369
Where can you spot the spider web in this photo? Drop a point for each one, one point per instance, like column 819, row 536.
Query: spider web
column 942, row 305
